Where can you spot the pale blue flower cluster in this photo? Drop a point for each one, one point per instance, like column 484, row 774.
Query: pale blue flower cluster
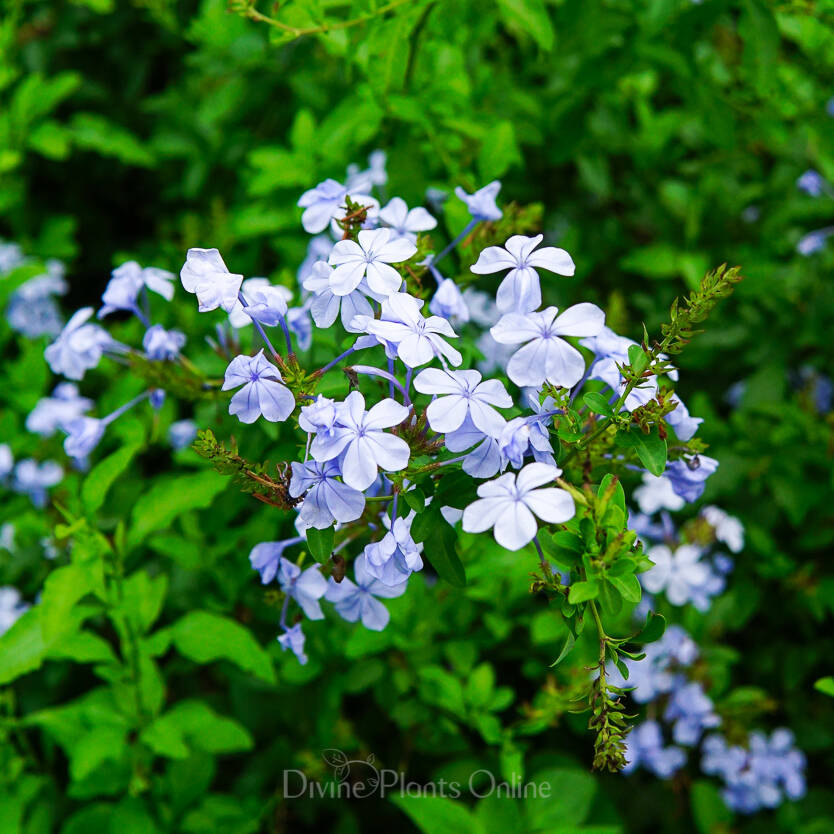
column 32, row 309
column 686, row 572
column 425, row 401
column 762, row 774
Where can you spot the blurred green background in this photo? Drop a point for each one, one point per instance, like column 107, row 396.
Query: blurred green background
column 662, row 137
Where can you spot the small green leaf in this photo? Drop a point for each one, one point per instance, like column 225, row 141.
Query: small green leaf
column 628, row 587
column 598, row 403
column 650, row 448
column 570, row 642
column 103, row 475
column 321, row 543
column 825, row 685
column 205, row 637
column 416, row 499
column 583, row 591
column 637, row 358
column 441, row 551
column 652, row 630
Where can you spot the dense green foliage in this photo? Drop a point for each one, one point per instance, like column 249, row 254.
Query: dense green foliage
column 660, row 138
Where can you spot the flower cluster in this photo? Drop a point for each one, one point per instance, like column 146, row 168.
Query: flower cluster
column 32, row 309
column 687, row 567
column 407, row 432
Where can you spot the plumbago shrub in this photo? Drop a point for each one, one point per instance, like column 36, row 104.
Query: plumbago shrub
column 437, row 475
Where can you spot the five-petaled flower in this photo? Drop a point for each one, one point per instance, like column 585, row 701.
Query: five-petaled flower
column 360, row 443
column 355, row 601
column 511, row 502
column 369, row 258
column 462, row 393
column 262, row 393
column 547, row 357
column 417, row 339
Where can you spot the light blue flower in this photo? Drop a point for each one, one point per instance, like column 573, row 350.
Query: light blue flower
column 547, row 357
column 79, row 346
column 404, row 223
column 811, row 183
column 644, row 748
column 52, row 413
column 689, row 475
column 182, row 433
column 161, row 344
column 262, row 392
column 305, row 587
column 360, row 443
column 6, row 460
column 396, row 556
column 319, row 416
column 327, row 304
column 814, row 241
column 83, row 435
column 448, row 302
column 369, row 258
column 657, row 493
column 327, row 499
column 266, row 557
column 482, row 204
column 462, row 394
column 358, row 601
column 418, row 340
column 11, row 257
column 318, row 250
column 691, row 710
column 206, row 275
column 485, row 460
column 520, row 290
column 728, row 530
column 326, row 202
column 300, row 325
column 685, row 426
column 128, row 280
column 293, row 639
column 511, row 503
column 34, row 479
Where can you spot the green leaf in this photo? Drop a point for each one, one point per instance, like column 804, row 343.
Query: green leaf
column 170, row 498
column 441, row 551
column 95, row 133
column 628, row 587
column 499, row 151
column 103, row 475
column 570, row 642
column 825, row 685
column 598, row 403
column 320, row 543
column 650, row 448
column 709, row 811
column 583, row 591
column 438, row 815
column 194, row 725
column 205, row 637
column 568, row 804
column 652, row 630
column 531, row 17
column 21, row 647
